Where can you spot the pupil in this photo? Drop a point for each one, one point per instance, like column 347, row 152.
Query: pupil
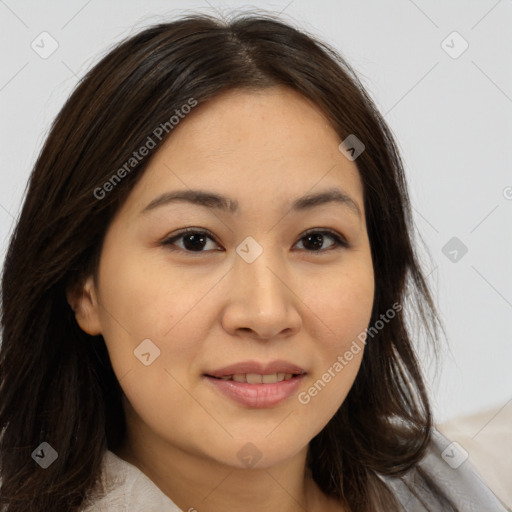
column 317, row 239
column 198, row 241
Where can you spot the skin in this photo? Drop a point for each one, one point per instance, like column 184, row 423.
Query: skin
column 205, row 310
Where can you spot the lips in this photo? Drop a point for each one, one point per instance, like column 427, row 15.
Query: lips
column 254, row 378
column 255, row 372
column 250, row 390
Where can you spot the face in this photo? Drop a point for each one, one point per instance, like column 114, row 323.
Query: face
column 269, row 281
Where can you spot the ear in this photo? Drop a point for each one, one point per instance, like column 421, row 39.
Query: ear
column 83, row 301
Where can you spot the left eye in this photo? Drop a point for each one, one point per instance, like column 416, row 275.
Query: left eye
column 315, row 239
column 195, row 240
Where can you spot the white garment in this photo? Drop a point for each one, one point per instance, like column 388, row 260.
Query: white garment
column 476, row 485
column 129, row 489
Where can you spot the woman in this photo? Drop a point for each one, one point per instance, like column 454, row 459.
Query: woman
column 205, row 297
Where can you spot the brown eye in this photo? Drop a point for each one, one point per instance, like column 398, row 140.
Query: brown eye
column 193, row 240
column 314, row 240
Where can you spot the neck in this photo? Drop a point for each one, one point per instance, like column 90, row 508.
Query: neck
column 196, row 483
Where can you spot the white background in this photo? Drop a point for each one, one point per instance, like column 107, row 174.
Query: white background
column 452, row 118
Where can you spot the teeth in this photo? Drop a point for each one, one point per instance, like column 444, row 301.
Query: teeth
column 254, row 378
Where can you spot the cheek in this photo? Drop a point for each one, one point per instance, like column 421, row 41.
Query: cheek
column 342, row 302
column 150, row 315
column 148, row 299
column 152, row 330
column 341, row 308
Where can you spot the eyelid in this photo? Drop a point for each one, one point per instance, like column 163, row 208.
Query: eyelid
column 324, row 231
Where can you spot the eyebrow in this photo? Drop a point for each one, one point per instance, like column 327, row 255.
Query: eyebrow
column 219, row 202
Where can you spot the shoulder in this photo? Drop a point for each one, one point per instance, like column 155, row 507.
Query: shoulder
column 444, row 479
column 487, row 439
column 125, row 487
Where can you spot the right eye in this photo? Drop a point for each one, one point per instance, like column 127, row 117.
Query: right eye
column 194, row 240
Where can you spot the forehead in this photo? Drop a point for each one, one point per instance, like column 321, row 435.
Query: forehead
column 276, row 119
column 251, row 145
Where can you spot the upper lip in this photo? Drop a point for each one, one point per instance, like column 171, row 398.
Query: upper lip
column 278, row 366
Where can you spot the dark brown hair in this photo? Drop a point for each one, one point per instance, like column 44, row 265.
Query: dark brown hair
column 56, row 382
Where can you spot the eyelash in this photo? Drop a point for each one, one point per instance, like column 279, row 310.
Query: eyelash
column 339, row 241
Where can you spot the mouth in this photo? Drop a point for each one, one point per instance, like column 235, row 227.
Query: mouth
column 255, row 385
column 256, row 378
column 256, row 372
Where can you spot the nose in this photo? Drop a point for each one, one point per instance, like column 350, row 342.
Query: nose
column 261, row 302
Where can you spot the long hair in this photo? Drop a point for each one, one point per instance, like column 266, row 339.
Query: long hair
column 57, row 384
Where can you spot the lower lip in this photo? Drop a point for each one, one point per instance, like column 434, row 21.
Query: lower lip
column 257, row 395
